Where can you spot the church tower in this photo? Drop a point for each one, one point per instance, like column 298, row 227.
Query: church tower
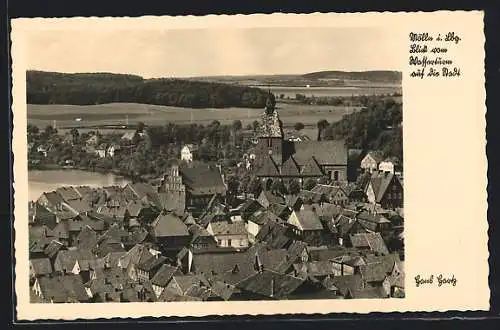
column 270, row 133
column 174, row 190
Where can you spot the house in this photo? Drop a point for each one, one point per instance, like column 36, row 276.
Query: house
column 162, row 277
column 40, row 267
column 147, row 269
column 42, row 149
column 390, row 165
column 187, row 288
column 51, row 201
column 266, row 198
column 268, row 284
column 41, row 216
column 201, row 238
column 92, row 141
column 370, row 241
column 68, row 194
column 133, row 257
column 371, row 161
column 307, row 225
column 202, row 182
column 61, row 289
column 187, row 153
column 112, row 149
column 385, row 189
column 229, row 234
column 72, row 261
column 334, row 194
column 375, row 222
column 101, row 150
column 257, row 220
column 170, row 232
column 129, row 136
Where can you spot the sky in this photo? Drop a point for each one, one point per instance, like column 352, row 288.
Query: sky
column 213, row 51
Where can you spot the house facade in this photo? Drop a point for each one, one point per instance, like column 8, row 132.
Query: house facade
column 371, row 161
column 187, row 153
column 385, row 189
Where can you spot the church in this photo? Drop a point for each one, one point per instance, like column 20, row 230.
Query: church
column 287, row 160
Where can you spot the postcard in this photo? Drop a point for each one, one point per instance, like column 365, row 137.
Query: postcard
column 249, row 165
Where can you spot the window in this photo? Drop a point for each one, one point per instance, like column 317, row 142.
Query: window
column 336, row 176
column 269, row 143
column 228, row 242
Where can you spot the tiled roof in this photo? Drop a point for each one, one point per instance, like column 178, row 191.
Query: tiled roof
column 164, row 275
column 268, row 168
column 331, row 152
column 271, row 284
column 66, row 259
column 308, row 220
column 136, row 255
column 373, row 241
column 62, row 288
column 274, row 234
column 86, row 239
column 40, row 266
column 347, row 283
column 68, row 193
column 273, row 198
column 280, row 210
column 262, row 217
column 311, row 168
column 380, row 182
column 166, row 225
column 152, row 263
column 228, row 228
column 53, row 248
column 203, row 180
column 315, row 268
column 373, row 272
column 53, row 198
column 290, row 168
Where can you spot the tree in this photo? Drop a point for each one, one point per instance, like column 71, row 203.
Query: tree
column 255, row 186
column 237, row 125
column 49, row 130
column 322, row 124
column 140, row 127
column 309, row 184
column 278, row 187
column 32, row 129
column 233, row 185
column 294, row 187
column 299, row 126
column 255, row 125
column 75, row 134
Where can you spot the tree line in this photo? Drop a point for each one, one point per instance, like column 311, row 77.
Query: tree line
column 99, row 88
column 378, row 126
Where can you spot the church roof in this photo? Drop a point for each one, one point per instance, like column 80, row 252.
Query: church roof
column 268, row 168
column 270, row 126
column 290, row 168
column 331, row 152
column 311, row 168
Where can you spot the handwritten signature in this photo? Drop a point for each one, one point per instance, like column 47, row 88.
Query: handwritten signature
column 440, row 280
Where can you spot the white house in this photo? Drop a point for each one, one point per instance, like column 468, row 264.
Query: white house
column 386, row 166
column 112, row 149
column 371, row 161
column 187, row 153
column 229, row 234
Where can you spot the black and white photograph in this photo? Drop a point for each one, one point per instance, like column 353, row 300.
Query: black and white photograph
column 225, row 160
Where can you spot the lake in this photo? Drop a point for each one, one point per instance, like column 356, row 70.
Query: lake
column 333, row 91
column 44, row 181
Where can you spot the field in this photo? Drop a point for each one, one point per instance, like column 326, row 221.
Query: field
column 65, row 116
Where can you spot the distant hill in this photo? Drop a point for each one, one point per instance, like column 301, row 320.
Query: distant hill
column 100, row 88
column 373, row 76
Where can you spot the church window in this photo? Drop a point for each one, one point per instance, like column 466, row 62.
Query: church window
column 336, row 176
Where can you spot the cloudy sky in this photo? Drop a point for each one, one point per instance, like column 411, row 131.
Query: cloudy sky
column 213, row 51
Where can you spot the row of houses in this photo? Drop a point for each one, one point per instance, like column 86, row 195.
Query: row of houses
column 130, row 244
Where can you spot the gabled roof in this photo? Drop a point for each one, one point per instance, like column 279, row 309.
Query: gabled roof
column 275, row 234
column 152, row 263
column 331, row 152
column 168, row 224
column 268, row 168
column 86, row 239
column 311, row 168
column 221, row 228
column 203, row 180
column 164, row 275
column 79, row 206
column 136, row 255
column 308, row 220
column 61, row 289
column 380, row 181
column 271, row 284
column 68, row 193
column 376, row 155
column 315, row 268
column 280, row 210
column 272, row 198
column 53, row 198
column 66, row 259
column 373, row 272
column 373, row 241
column 326, row 189
column 40, row 266
column 262, row 217
column 53, row 248
column 290, row 168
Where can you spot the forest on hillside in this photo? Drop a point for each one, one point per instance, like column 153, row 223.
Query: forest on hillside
column 378, row 126
column 100, row 88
